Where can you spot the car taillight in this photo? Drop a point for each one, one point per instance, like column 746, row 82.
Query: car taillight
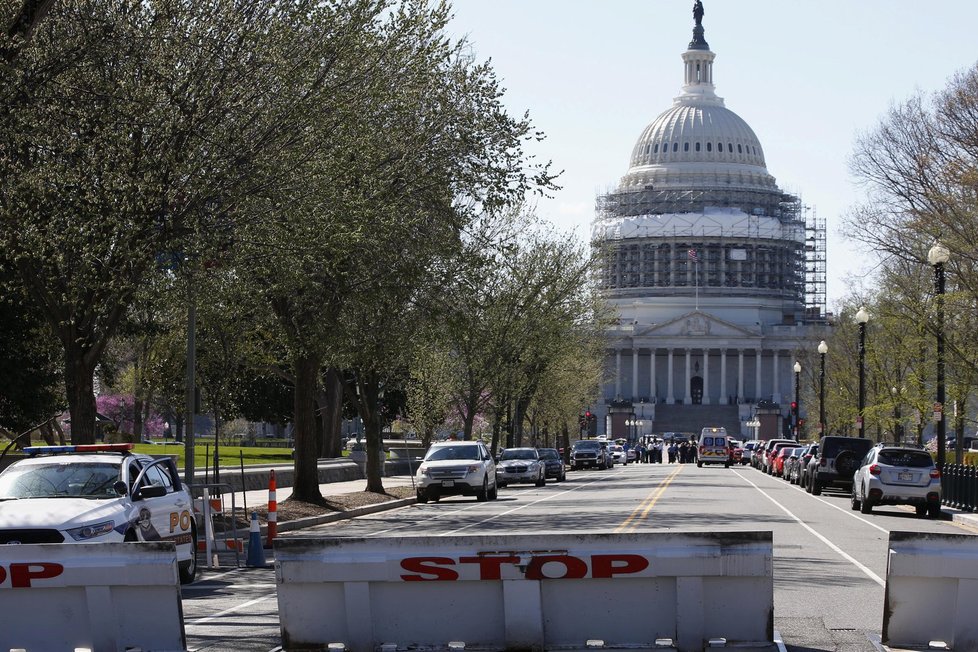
column 702, row 449
column 823, row 462
column 875, row 469
column 934, row 473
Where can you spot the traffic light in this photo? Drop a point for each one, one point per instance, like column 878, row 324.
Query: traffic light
column 592, row 424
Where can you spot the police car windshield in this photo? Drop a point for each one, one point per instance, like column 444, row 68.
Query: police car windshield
column 60, row 480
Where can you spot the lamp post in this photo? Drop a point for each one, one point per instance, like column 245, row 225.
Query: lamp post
column 897, row 426
column 823, row 348
column 937, row 257
column 797, row 410
column 861, row 318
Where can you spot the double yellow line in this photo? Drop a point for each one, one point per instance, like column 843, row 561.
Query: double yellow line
column 642, row 511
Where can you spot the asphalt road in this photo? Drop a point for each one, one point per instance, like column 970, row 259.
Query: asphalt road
column 829, row 566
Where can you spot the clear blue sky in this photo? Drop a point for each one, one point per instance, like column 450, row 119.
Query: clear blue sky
column 807, row 75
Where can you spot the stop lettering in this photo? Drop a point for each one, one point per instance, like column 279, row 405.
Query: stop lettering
column 539, row 567
column 21, row 574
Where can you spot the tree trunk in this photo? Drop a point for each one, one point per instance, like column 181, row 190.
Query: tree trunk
column 306, row 484
column 81, row 397
column 333, row 416
column 369, row 408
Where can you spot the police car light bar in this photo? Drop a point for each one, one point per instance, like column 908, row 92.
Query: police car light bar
column 79, row 448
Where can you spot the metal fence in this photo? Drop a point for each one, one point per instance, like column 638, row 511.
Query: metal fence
column 959, row 483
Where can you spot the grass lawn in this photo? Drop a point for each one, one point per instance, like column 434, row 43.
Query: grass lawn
column 230, row 456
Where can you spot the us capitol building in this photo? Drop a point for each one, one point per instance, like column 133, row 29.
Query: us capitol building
column 717, row 275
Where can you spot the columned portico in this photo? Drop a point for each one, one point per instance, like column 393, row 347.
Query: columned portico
column 706, row 376
column 723, row 377
column 757, row 376
column 740, row 375
column 670, row 394
column 689, row 395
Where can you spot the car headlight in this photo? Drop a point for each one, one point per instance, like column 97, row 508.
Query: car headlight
column 472, row 468
column 423, row 469
column 87, row 532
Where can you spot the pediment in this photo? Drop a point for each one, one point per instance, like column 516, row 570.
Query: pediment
column 696, row 324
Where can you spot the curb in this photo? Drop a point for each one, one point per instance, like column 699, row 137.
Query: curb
column 310, row 521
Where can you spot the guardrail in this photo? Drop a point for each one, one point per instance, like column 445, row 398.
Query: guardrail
column 931, row 591
column 680, row 592
column 99, row 596
column 959, row 485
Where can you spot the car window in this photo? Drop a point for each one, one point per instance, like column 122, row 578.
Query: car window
column 157, row 476
column 60, row 479
column 549, row 454
column 453, row 453
column 518, row 454
column 913, row 459
column 587, row 445
column 831, row 447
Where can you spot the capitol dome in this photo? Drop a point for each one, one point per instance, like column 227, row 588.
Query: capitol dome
column 698, row 142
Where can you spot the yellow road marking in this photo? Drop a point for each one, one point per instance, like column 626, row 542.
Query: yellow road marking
column 642, row 511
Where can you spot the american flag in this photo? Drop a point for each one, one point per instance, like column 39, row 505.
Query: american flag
column 691, row 254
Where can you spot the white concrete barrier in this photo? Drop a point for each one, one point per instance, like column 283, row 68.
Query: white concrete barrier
column 100, row 597
column 528, row 592
column 931, row 591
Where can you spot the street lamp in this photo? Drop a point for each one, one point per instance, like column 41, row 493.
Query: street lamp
column 937, row 256
column 897, row 426
column 861, row 318
column 797, row 387
column 823, row 348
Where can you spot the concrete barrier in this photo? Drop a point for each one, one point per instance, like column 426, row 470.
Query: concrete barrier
column 931, row 591
column 100, row 596
column 528, row 592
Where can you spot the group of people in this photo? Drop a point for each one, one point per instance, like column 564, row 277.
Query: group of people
column 658, row 451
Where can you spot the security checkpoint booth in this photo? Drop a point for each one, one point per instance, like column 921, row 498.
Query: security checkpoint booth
column 664, row 591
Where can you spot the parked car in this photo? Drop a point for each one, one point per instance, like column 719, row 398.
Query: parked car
column 589, row 453
column 520, row 465
column 836, row 462
column 779, row 459
column 897, row 475
column 749, row 447
column 736, row 452
column 631, row 455
column 618, row 455
column 805, row 464
column 553, row 464
column 456, row 468
column 97, row 493
column 771, row 447
column 793, row 470
column 790, row 463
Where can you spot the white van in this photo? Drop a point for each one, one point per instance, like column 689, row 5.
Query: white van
column 714, row 447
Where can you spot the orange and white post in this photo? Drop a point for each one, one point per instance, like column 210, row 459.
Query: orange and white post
column 272, row 508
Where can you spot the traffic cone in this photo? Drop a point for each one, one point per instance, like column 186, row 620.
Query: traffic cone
column 272, row 507
column 256, row 555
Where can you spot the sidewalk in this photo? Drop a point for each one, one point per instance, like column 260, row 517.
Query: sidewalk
column 260, row 496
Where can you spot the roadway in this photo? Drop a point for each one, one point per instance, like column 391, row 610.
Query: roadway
column 829, row 566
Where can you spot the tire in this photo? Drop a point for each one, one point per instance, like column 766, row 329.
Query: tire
column 921, row 510
column 699, row 464
column 816, row 487
column 846, row 464
column 866, row 507
column 422, row 496
column 541, row 482
column 188, row 569
column 483, row 494
column 934, row 510
column 494, row 492
column 808, row 484
column 726, row 464
column 501, row 485
column 854, row 502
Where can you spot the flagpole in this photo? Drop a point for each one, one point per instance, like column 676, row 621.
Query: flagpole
column 696, row 282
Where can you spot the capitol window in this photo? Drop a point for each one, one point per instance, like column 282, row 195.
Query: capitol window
column 656, row 149
column 675, row 147
column 740, row 149
column 685, row 147
column 719, row 147
column 697, row 147
column 709, row 147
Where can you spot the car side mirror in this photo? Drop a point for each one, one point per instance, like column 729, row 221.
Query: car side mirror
column 120, row 487
column 152, row 491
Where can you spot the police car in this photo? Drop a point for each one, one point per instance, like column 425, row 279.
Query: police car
column 97, row 493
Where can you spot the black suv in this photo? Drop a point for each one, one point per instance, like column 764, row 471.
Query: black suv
column 836, row 462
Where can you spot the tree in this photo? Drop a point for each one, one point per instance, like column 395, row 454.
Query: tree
column 208, row 94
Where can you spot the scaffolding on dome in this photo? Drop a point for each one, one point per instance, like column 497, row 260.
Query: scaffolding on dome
column 815, row 262
column 650, row 201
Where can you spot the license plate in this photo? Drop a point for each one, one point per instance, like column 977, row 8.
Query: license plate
column 448, row 483
column 906, row 477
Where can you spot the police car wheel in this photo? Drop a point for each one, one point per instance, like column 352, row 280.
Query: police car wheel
column 130, row 537
column 188, row 569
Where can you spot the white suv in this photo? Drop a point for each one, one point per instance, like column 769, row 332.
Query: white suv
column 897, row 475
column 457, row 468
column 97, row 493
